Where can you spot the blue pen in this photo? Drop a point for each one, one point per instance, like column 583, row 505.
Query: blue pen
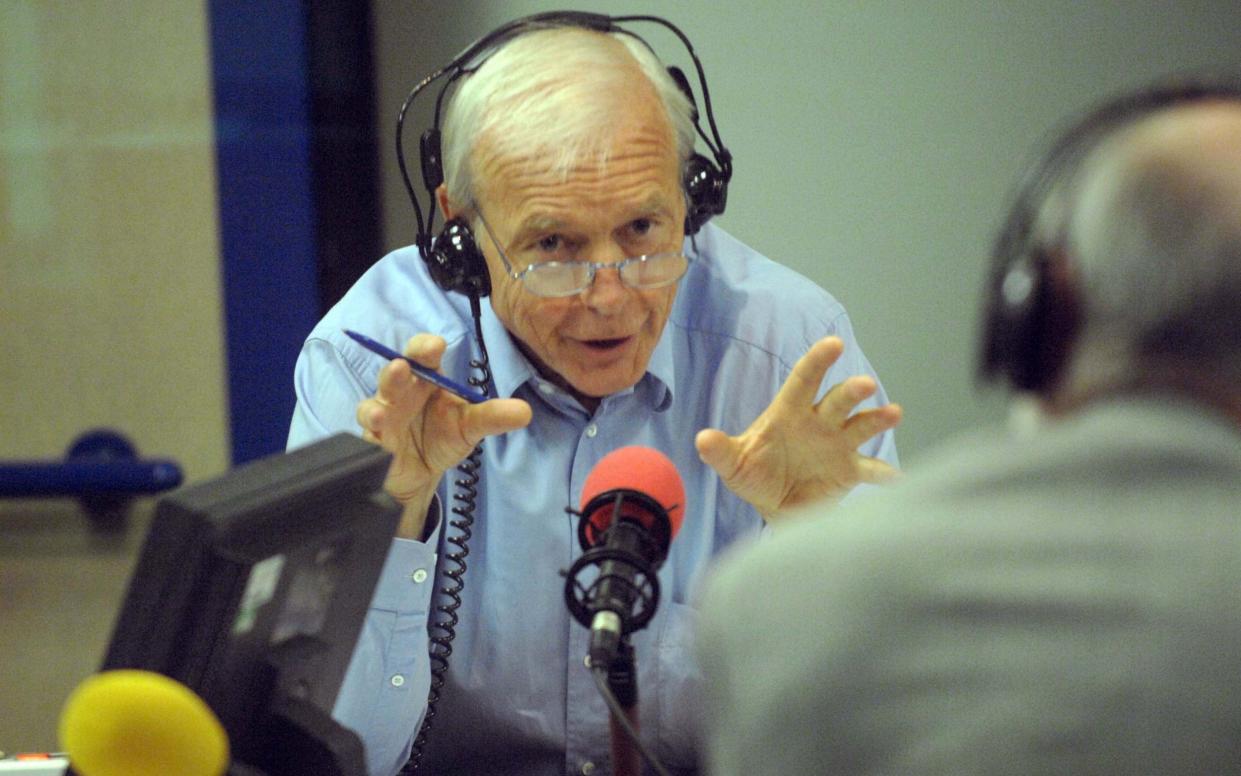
column 452, row 386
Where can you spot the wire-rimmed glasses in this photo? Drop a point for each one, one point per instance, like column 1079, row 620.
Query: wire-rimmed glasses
column 568, row 278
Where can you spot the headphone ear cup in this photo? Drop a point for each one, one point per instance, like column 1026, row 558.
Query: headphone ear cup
column 706, row 192
column 456, row 263
column 1010, row 285
column 1032, row 322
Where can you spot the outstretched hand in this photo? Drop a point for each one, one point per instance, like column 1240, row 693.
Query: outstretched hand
column 427, row 430
column 798, row 451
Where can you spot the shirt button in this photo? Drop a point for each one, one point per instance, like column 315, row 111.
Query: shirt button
column 591, row 430
column 397, row 680
column 546, row 388
column 419, row 576
column 588, row 768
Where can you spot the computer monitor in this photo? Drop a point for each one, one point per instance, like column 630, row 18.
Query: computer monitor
column 251, row 589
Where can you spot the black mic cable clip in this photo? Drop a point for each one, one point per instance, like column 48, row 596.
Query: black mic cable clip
column 623, row 593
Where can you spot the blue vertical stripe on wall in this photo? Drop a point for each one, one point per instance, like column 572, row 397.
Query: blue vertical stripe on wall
column 267, row 224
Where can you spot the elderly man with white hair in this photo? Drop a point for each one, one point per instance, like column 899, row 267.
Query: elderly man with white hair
column 614, row 316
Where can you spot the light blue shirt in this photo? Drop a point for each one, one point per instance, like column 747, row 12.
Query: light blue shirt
column 519, row 698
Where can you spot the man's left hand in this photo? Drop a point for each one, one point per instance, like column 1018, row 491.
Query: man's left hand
column 797, row 451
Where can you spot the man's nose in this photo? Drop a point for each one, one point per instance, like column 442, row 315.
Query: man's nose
column 608, row 292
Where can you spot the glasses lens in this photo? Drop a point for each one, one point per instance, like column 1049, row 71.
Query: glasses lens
column 557, row 278
column 566, row 278
column 653, row 271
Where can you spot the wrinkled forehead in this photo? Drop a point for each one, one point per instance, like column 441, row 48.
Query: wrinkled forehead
column 603, row 140
column 570, row 116
column 638, row 179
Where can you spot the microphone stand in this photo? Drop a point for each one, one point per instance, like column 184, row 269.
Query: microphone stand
column 641, row 553
column 623, row 682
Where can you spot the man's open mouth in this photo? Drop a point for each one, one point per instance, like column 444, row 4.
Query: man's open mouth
column 606, row 344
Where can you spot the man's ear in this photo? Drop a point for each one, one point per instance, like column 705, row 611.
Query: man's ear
column 446, row 206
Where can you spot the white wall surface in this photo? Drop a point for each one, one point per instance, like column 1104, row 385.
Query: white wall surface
column 110, row 309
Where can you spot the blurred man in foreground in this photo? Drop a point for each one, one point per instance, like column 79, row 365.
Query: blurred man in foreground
column 1061, row 602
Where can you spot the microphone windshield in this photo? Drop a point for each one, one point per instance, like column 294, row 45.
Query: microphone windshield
column 139, row 723
column 640, row 469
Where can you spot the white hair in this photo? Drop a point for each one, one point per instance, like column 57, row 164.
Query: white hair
column 1153, row 224
column 553, row 91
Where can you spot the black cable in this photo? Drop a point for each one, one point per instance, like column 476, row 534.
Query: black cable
column 442, row 628
column 600, row 673
column 400, row 152
column 717, row 148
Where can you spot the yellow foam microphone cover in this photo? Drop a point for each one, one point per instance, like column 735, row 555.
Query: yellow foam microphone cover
column 139, row 723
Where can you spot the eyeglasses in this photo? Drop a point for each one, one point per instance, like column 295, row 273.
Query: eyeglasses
column 568, row 278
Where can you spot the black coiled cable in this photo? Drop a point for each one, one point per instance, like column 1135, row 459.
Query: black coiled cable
column 442, row 628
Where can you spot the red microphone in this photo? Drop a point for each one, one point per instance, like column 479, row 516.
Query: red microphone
column 636, row 470
column 632, row 505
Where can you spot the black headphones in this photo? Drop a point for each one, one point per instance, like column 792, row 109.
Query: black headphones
column 453, row 257
column 1032, row 311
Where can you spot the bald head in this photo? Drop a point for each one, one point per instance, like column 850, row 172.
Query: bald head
column 1155, row 237
column 1191, row 137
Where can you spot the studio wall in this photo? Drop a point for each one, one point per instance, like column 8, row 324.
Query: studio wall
column 875, row 143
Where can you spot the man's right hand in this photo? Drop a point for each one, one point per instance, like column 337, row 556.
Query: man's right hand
column 427, row 429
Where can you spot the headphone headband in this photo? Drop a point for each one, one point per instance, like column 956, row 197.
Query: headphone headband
column 459, row 266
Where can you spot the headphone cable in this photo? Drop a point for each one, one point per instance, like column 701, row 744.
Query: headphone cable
column 442, row 628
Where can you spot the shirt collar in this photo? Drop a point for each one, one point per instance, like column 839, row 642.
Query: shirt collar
column 510, row 369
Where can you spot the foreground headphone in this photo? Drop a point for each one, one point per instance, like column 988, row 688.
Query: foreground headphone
column 452, row 256
column 1032, row 311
